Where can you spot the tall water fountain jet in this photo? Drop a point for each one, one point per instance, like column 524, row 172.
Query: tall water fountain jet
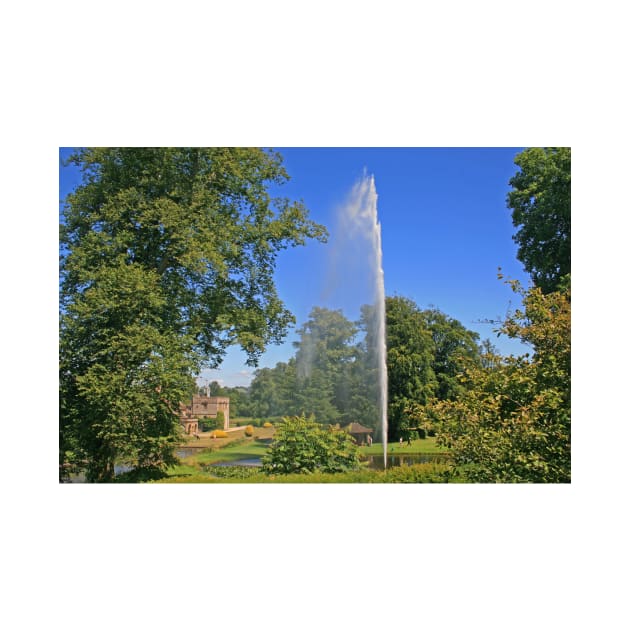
column 359, row 224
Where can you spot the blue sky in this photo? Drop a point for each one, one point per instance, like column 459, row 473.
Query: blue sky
column 445, row 231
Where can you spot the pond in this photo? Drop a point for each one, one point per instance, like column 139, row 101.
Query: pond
column 188, row 451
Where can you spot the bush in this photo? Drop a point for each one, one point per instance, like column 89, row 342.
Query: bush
column 302, row 445
column 220, row 420
column 217, row 433
column 422, row 434
column 249, row 430
column 512, row 424
column 267, row 425
column 232, row 472
column 209, row 424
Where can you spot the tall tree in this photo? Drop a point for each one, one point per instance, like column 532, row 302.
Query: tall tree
column 453, row 346
column 324, row 352
column 541, row 210
column 410, row 374
column 426, row 353
column 168, row 258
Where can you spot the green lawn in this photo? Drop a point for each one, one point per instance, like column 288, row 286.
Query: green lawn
column 418, row 447
column 244, row 450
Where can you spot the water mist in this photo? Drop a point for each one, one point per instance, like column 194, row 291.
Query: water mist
column 359, row 224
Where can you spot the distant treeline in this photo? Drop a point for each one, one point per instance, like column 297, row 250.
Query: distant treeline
column 333, row 374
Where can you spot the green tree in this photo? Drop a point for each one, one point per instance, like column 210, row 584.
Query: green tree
column 272, row 391
column 167, row 259
column 453, row 346
column 410, row 354
column 324, row 352
column 426, row 352
column 541, row 210
column 302, row 445
column 513, row 421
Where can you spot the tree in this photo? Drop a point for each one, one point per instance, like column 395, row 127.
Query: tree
column 512, row 423
column 272, row 391
column 541, row 210
column 167, row 259
column 410, row 354
column 302, row 445
column 453, row 346
column 426, row 351
column 324, row 352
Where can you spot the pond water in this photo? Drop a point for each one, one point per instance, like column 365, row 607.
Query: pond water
column 186, row 452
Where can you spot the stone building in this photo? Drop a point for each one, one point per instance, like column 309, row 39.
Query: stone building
column 204, row 407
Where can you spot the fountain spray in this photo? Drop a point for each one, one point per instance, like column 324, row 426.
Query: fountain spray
column 360, row 223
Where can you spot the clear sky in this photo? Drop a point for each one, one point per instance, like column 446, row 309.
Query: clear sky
column 445, row 231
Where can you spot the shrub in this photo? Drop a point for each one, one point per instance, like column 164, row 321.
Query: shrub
column 217, row 433
column 249, row 430
column 220, row 420
column 267, row 425
column 232, row 472
column 513, row 422
column 209, row 424
column 302, row 445
column 428, row 472
column 422, row 434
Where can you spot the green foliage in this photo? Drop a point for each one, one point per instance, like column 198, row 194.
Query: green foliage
column 426, row 350
column 334, row 375
column 418, row 473
column 325, row 352
column 168, row 258
column 541, row 210
column 210, row 424
column 303, row 446
column 232, row 472
column 513, row 422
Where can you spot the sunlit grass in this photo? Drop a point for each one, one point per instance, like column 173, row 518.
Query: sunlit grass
column 417, row 447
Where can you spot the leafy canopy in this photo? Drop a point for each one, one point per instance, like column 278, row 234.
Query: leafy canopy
column 541, row 210
column 168, row 257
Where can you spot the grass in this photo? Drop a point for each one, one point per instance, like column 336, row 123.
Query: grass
column 242, row 450
column 418, row 447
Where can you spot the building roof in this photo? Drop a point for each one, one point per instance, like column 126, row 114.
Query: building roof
column 355, row 427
